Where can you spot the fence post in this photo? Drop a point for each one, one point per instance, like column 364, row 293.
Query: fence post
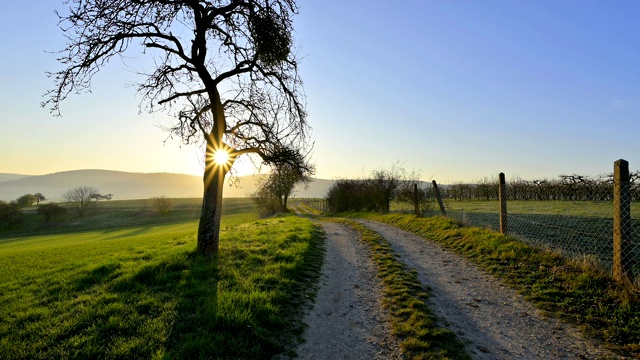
column 440, row 203
column 416, row 205
column 502, row 197
column 621, row 220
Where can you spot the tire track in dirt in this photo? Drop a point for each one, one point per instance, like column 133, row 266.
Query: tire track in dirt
column 347, row 320
column 492, row 319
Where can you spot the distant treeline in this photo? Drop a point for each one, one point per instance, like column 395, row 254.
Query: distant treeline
column 565, row 187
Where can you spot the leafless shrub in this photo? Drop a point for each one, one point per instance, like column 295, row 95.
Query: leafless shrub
column 162, row 204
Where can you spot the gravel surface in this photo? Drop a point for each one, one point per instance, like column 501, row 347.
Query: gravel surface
column 492, row 319
column 347, row 320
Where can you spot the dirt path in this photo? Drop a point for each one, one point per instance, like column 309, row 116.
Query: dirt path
column 347, row 320
column 493, row 320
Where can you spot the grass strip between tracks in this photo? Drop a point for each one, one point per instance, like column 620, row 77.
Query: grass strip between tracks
column 405, row 298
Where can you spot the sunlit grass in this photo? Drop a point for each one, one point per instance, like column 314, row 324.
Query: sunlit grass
column 142, row 291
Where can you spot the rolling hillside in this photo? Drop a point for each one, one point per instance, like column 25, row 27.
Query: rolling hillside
column 125, row 185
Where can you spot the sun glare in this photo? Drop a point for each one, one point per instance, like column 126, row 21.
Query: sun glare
column 221, row 157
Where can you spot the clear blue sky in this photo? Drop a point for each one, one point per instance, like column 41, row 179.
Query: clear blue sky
column 461, row 90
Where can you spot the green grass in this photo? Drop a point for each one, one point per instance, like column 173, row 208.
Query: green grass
column 122, row 213
column 574, row 290
column 405, row 298
column 140, row 291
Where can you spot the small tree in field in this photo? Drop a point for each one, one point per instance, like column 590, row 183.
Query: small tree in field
column 80, row 198
column 26, row 200
column 266, row 204
column 224, row 70
column 39, row 198
column 51, row 212
column 273, row 193
column 161, row 204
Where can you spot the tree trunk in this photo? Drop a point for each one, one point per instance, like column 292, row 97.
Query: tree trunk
column 209, row 227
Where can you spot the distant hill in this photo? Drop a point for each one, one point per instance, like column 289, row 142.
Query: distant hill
column 9, row 177
column 126, row 185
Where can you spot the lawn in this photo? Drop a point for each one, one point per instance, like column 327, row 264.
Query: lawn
column 116, row 287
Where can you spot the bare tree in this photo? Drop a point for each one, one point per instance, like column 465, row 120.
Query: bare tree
column 80, row 198
column 225, row 71
column 283, row 179
column 39, row 198
column 414, row 192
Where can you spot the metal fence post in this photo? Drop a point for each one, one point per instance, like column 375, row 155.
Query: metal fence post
column 503, row 203
column 621, row 220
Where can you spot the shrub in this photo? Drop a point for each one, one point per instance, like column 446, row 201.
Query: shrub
column 161, row 204
column 266, row 204
column 51, row 212
column 417, row 194
column 371, row 194
column 10, row 214
column 26, row 200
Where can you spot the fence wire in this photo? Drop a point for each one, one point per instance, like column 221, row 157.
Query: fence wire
column 578, row 226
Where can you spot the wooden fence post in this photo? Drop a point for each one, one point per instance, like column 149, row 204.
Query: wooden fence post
column 502, row 197
column 621, row 220
column 440, row 203
column 416, row 205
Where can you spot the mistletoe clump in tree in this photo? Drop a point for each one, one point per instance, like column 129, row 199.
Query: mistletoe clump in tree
column 224, row 70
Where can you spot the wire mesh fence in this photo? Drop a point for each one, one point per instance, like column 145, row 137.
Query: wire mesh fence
column 589, row 222
column 578, row 236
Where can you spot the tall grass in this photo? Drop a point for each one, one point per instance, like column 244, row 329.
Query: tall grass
column 142, row 292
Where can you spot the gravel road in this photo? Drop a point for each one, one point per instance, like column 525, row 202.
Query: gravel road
column 347, row 320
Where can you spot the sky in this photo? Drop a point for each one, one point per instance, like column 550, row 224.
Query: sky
column 457, row 90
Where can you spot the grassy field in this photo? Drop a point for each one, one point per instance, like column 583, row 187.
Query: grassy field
column 571, row 289
column 122, row 213
column 570, row 208
column 125, row 283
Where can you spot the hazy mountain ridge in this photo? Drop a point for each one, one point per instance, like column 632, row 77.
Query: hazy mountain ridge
column 10, row 177
column 126, row 185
